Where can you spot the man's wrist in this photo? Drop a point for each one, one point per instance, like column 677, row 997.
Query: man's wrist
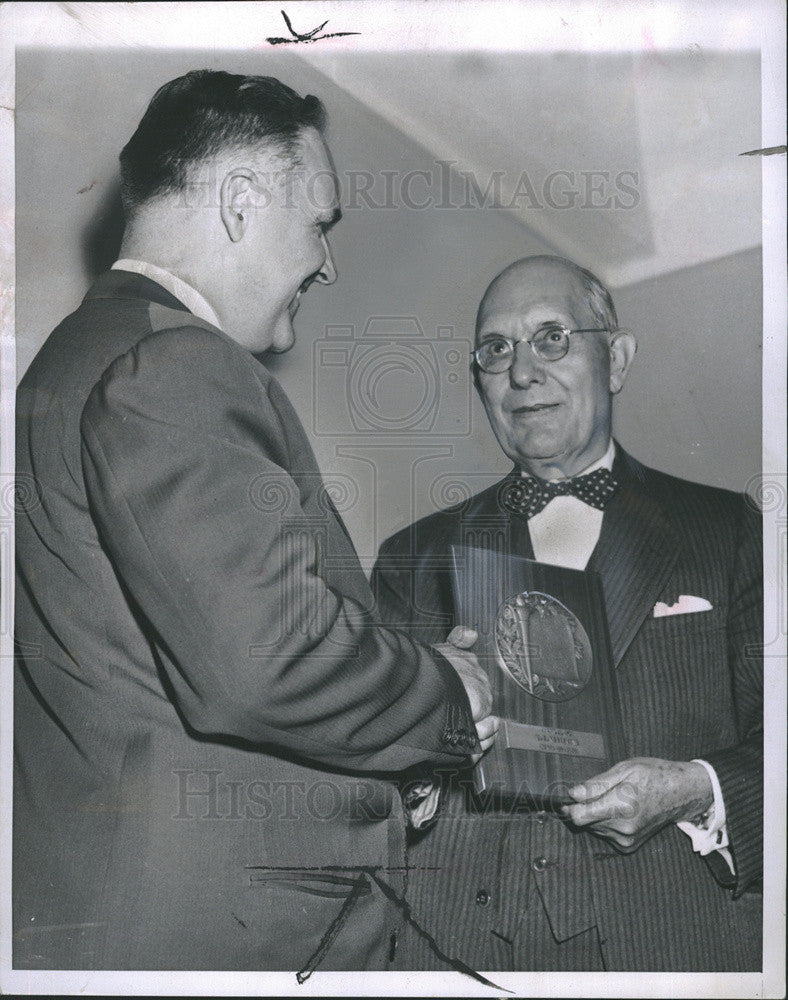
column 699, row 795
column 708, row 832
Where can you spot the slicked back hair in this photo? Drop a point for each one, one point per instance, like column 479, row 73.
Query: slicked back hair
column 203, row 113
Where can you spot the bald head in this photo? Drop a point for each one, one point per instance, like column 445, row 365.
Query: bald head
column 552, row 276
column 551, row 415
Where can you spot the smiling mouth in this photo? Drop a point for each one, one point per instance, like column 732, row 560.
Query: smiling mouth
column 296, row 300
column 535, row 408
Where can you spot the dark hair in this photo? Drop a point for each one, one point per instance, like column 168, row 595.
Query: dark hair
column 202, row 113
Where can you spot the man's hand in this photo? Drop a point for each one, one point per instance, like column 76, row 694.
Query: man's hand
column 456, row 649
column 632, row 800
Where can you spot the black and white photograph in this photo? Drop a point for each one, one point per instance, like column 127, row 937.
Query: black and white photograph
column 393, row 512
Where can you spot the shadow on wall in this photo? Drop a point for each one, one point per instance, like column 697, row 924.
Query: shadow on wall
column 102, row 236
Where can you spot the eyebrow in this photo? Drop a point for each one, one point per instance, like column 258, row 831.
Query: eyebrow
column 488, row 334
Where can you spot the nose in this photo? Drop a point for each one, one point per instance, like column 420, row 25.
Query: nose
column 327, row 274
column 526, row 368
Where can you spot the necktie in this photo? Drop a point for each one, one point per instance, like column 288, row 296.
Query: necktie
column 530, row 495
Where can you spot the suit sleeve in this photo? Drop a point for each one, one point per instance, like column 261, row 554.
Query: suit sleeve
column 392, row 585
column 412, row 588
column 254, row 642
column 410, row 593
column 740, row 768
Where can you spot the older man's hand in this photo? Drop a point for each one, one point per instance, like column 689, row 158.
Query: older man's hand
column 457, row 650
column 634, row 799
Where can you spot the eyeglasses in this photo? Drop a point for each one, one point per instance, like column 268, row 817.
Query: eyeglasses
column 550, row 343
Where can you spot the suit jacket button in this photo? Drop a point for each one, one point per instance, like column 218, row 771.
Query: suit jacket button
column 540, row 864
column 482, row 897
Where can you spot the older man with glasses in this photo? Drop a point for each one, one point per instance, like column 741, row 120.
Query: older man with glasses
column 610, row 881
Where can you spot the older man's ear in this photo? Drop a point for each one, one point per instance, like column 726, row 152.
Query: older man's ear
column 623, row 347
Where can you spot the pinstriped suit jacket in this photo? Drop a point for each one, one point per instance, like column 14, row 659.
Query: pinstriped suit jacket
column 689, row 686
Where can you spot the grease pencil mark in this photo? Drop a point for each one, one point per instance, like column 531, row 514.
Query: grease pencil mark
column 363, row 873
column 308, row 36
column 766, row 151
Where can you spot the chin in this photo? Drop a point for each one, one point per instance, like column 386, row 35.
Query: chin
column 282, row 337
column 536, row 450
column 279, row 348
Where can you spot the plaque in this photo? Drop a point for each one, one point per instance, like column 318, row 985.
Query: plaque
column 544, row 642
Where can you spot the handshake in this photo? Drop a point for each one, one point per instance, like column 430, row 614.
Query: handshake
column 457, row 650
column 421, row 802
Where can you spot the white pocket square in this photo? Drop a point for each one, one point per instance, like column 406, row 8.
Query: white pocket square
column 685, row 605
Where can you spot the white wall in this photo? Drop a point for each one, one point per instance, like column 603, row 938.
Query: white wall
column 692, row 404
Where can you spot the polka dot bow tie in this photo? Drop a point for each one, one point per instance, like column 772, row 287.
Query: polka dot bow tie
column 530, row 495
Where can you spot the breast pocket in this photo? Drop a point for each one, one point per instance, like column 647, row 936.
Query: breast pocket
column 691, row 623
column 675, row 686
column 304, row 919
column 309, row 883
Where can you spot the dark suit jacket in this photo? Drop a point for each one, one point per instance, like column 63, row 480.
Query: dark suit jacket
column 689, row 686
column 200, row 698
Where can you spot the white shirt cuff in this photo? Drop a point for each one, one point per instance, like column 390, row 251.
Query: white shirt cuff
column 421, row 803
column 710, row 833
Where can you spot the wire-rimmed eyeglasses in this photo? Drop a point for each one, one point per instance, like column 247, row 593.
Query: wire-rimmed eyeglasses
column 549, row 343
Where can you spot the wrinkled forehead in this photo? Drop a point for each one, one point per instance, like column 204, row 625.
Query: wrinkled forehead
column 525, row 297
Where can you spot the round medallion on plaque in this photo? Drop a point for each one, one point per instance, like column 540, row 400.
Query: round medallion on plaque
column 542, row 646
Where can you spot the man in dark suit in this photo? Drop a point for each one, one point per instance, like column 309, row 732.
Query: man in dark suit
column 207, row 720
column 613, row 882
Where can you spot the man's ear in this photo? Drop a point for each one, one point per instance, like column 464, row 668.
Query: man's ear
column 623, row 347
column 476, row 381
column 235, row 197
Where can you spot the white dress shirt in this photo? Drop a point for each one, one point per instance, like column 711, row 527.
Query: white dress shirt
column 565, row 533
column 183, row 292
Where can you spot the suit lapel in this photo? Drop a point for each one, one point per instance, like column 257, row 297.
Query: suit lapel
column 636, row 551
column 486, row 523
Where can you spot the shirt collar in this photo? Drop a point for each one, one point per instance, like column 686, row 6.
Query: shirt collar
column 182, row 291
column 605, row 462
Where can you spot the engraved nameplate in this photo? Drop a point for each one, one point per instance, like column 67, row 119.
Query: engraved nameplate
column 518, row 736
